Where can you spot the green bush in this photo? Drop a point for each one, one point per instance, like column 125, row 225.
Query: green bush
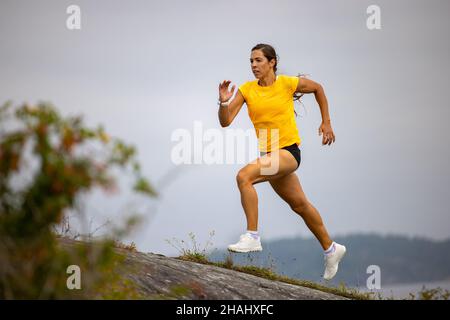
column 33, row 262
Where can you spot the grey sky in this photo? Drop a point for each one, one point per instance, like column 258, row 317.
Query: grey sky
column 146, row 68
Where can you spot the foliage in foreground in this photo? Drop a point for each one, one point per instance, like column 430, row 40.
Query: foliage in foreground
column 69, row 160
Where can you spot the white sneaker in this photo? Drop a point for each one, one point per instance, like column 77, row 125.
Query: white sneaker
column 246, row 244
column 332, row 261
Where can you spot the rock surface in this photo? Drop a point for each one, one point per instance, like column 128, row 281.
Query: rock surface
column 157, row 276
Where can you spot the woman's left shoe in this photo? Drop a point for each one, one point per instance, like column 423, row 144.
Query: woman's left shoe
column 246, row 244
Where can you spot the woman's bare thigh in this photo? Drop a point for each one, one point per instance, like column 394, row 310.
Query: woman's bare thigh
column 289, row 189
column 270, row 166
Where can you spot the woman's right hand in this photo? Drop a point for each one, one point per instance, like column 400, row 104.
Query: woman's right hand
column 224, row 94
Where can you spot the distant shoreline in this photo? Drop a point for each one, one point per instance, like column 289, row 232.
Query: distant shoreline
column 402, row 291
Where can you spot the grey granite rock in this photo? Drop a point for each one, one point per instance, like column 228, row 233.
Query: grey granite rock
column 160, row 277
column 156, row 274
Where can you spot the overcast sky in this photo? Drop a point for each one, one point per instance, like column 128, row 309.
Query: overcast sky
column 147, row 68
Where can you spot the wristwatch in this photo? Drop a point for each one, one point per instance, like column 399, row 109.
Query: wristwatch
column 223, row 103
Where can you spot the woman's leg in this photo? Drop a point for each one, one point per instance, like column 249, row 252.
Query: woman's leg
column 259, row 171
column 289, row 189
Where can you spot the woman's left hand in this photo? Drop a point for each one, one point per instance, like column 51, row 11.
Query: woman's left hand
column 328, row 134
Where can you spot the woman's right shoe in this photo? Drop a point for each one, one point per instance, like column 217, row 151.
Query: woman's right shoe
column 246, row 243
column 332, row 261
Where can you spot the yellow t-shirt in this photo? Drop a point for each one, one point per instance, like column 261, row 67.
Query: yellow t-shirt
column 271, row 109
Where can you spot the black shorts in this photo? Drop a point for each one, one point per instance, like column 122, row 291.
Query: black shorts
column 294, row 150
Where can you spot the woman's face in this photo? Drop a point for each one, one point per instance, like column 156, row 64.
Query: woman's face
column 261, row 67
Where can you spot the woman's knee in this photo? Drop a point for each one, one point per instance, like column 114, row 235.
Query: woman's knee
column 300, row 207
column 243, row 178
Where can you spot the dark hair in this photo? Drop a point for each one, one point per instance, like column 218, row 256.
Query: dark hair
column 270, row 53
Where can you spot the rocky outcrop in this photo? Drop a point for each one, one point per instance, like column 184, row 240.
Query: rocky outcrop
column 157, row 274
column 160, row 277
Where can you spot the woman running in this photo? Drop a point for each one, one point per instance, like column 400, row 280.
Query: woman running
column 270, row 103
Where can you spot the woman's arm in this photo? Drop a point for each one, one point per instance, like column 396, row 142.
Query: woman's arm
column 228, row 113
column 310, row 86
